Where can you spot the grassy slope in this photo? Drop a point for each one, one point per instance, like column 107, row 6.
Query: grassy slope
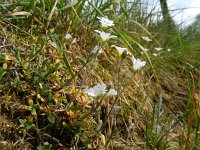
column 42, row 76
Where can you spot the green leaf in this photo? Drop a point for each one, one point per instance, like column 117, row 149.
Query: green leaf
column 67, row 64
column 87, row 142
column 44, row 147
column 74, row 108
column 51, row 117
column 56, row 40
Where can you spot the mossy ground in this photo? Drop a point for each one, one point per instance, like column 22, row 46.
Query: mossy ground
column 42, row 77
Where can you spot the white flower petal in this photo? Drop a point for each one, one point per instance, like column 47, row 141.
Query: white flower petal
column 154, row 54
column 112, row 36
column 96, row 90
column 146, row 38
column 112, row 92
column 68, row 36
column 98, row 31
column 105, row 22
column 169, row 50
column 145, row 49
column 90, row 92
column 105, row 36
column 137, row 63
column 119, row 49
column 158, row 48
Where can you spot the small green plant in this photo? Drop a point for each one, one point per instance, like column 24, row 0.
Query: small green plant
column 26, row 124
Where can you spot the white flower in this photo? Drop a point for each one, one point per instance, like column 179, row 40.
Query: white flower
column 154, row 54
column 119, row 49
column 158, row 48
column 145, row 49
column 68, row 36
column 169, row 50
column 112, row 92
column 137, row 63
column 105, row 36
column 105, row 22
column 96, row 90
column 146, row 38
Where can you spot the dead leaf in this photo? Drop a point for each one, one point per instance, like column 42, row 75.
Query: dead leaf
column 20, row 13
